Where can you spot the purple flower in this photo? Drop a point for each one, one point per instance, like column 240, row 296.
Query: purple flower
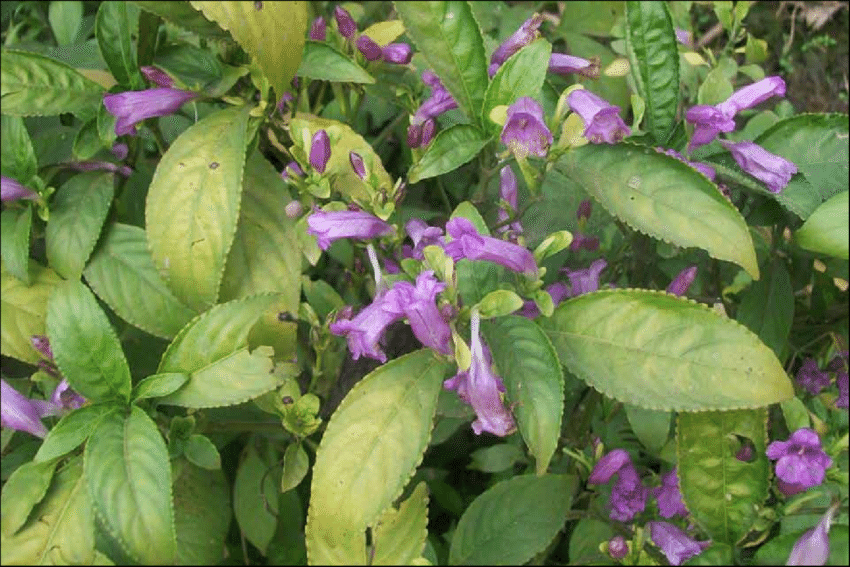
column 344, row 22
column 285, row 99
column 681, row 283
column 753, row 94
column 520, row 38
column 800, row 461
column 366, row 329
column 414, row 135
column 439, row 102
column 320, row 151
column 813, row 546
column 42, row 345
column 580, row 241
column 123, row 170
column 157, row 76
column 558, row 291
column 329, row 226
column 65, row 398
column 703, row 168
column 746, row 453
column 674, row 543
column 398, row 53
column 602, row 122
column 11, row 190
column 668, row 496
column 586, row 280
column 421, row 311
column 357, row 164
column 772, row 170
column 841, row 381
column 291, row 171
column 684, row 37
column 584, row 210
column 422, row 236
column 617, row 547
column 508, row 192
column 812, row 378
column 23, row 414
column 318, row 29
column 563, row 64
column 132, row 107
column 428, row 128
column 467, row 243
column 525, row 131
column 628, row 495
column 482, row 389
column 370, row 50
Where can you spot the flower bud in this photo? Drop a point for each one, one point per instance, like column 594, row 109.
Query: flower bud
column 120, row 150
column 617, row 547
column 11, row 190
column 320, row 151
column 293, row 209
column 317, row 29
column 344, row 22
column 681, row 283
column 428, row 128
column 370, row 50
column 157, row 76
column 357, row 164
column 414, row 135
column 584, row 209
column 398, row 53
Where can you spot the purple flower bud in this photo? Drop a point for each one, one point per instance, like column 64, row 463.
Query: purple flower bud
column 132, row 107
column 617, row 547
column 293, row 209
column 330, row 226
column 812, row 378
column 469, row 244
column 344, row 22
column 123, row 170
column 520, row 38
column 746, row 453
column 428, row 128
column 525, row 131
column 119, row 150
column 628, row 495
column 157, row 76
column 365, row 330
column 800, row 461
column 508, row 192
column 684, row 37
column 414, row 136
column 813, row 546
column 357, row 164
column 563, row 64
column 586, row 280
column 11, row 190
column 398, row 53
column 42, row 345
column 584, row 210
column 675, row 544
column 668, row 496
column 681, row 283
column 420, row 308
column 317, row 29
column 582, row 241
column 320, row 151
column 772, row 170
column 841, row 380
column 291, row 171
column 602, row 122
column 370, row 50
column 285, row 100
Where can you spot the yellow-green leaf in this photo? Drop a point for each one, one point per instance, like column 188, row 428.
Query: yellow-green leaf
column 399, row 535
column 24, row 310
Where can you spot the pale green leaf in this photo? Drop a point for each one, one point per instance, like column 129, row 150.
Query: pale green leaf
column 323, row 62
column 399, row 535
column 200, row 451
column 159, row 385
column 295, row 466
column 15, row 226
column 24, row 309
column 72, row 430
column 202, row 513
column 826, row 231
column 24, row 490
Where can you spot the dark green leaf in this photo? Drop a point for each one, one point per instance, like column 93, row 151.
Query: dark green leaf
column 826, row 231
column 182, row 14
column 18, row 156
column 202, row 513
column 113, row 26
column 449, row 150
column 521, row 75
column 255, row 498
column 767, row 307
column 15, row 227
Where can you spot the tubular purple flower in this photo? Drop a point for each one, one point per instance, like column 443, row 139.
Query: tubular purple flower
column 813, row 546
column 675, row 544
column 525, row 131
column 526, row 33
column 467, row 243
column 422, row 236
column 157, row 76
column 132, row 107
column 65, row 398
column 285, row 99
column 683, row 281
column 123, row 170
column 318, row 29
column 617, row 547
column 628, row 495
column 508, row 192
column 564, row 64
column 841, row 380
column 18, row 412
column 357, row 164
column 439, row 102
column 772, row 170
column 370, row 50
column 812, row 378
column 668, row 496
column 328, row 226
column 320, row 151
column 703, row 168
column 602, row 122
column 397, row 53
column 420, row 308
column 752, row 94
column 365, row 330
column 344, row 22
column 11, row 190
column 800, row 461
column 584, row 210
column 481, row 388
column 586, row 280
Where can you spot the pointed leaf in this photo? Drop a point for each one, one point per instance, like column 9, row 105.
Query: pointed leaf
column 113, row 26
column 400, row 533
column 200, row 451
column 662, row 197
column 18, row 156
column 767, row 307
column 24, row 490
column 72, row 431
column 521, row 75
column 323, row 62
column 129, row 477
column 295, row 466
column 15, row 225
column 651, row 427
column 24, row 309
column 449, row 150
column 182, row 14
column 202, row 513
column 85, row 346
column 193, row 205
column 159, row 385
column 534, row 382
column 255, row 499
column 659, row 351
column 826, row 231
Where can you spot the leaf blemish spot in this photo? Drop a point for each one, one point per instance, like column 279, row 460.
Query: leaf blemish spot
column 214, row 165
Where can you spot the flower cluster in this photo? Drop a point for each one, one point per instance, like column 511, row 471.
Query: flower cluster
column 422, row 124
column 397, row 53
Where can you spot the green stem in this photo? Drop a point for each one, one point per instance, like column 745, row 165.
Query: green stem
column 387, row 130
column 444, row 197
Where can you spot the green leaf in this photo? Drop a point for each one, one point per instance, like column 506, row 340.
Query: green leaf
column 722, row 493
column 662, row 197
column 33, row 85
column 113, row 26
column 512, row 521
column 449, row 38
column 324, row 62
column 591, row 19
column 18, row 156
column 85, row 346
column 496, row 458
column 449, row 150
column 399, row 535
column 65, row 19
column 767, row 306
column 585, row 539
column 659, row 351
column 651, row 427
column 202, row 513
column 87, row 142
column 533, row 379
column 15, row 225
column 72, row 430
column 24, row 490
column 263, row 257
column 654, row 58
column 183, row 15
column 77, row 214
column 295, row 467
column 521, row 75
column 826, row 230
column 200, row 451
column 272, row 33
column 123, row 275
column 213, row 350
column 369, row 450
column 159, row 385
column 24, row 309
column 193, row 205
column 499, row 303
column 477, row 278
column 62, row 531
column 255, row 499
column 127, row 469
column 385, row 32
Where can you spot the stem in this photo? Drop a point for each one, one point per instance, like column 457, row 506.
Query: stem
column 340, row 95
column 387, row 130
column 444, row 196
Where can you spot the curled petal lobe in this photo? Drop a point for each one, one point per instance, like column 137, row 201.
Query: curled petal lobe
column 420, row 307
column 586, row 280
column 609, row 465
column 525, row 131
column 708, row 121
column 668, row 496
column 132, row 107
